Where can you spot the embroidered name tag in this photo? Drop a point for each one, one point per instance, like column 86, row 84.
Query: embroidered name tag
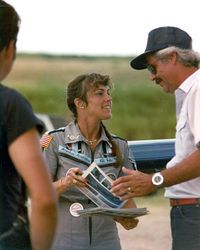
column 74, row 154
column 69, row 153
column 106, row 160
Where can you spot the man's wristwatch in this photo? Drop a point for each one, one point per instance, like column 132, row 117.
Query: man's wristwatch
column 157, row 180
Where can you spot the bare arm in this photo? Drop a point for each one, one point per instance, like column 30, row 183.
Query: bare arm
column 27, row 157
column 141, row 184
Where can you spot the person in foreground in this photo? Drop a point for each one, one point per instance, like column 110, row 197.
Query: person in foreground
column 21, row 158
column 85, row 140
column 174, row 65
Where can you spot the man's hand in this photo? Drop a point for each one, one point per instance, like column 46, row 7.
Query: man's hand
column 134, row 184
column 127, row 223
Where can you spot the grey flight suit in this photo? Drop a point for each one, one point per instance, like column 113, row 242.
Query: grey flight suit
column 66, row 148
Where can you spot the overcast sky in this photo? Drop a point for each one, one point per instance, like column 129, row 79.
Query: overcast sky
column 100, row 27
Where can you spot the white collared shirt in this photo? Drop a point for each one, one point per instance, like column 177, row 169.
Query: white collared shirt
column 187, row 134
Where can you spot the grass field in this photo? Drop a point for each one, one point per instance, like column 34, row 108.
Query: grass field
column 140, row 108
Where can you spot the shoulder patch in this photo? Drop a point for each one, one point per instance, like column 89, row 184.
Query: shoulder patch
column 45, row 140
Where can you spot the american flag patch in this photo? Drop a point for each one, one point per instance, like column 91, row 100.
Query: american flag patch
column 45, row 140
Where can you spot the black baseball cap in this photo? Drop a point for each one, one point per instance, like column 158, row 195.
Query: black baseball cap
column 161, row 38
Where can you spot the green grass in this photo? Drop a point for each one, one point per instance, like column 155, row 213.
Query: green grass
column 140, row 108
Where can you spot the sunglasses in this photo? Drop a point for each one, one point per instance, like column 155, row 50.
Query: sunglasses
column 152, row 69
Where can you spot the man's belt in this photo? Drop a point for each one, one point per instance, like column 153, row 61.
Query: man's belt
column 187, row 201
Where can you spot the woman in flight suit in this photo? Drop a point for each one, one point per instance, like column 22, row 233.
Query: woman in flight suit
column 70, row 150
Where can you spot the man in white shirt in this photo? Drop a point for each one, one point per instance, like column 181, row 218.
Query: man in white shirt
column 174, row 65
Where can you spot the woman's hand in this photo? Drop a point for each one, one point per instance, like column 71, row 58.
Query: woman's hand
column 127, row 223
column 73, row 178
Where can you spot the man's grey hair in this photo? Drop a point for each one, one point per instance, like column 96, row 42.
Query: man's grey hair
column 187, row 57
